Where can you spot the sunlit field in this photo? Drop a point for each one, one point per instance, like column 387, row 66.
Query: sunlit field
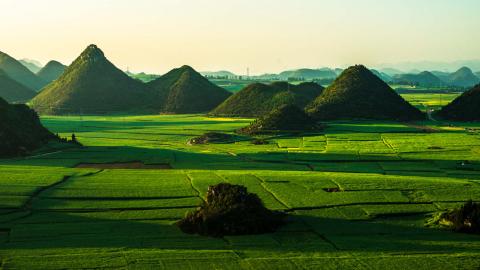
column 359, row 195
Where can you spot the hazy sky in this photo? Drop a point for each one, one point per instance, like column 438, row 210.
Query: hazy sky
column 264, row 35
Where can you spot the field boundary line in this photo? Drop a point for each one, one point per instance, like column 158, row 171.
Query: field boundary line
column 262, row 184
column 190, row 180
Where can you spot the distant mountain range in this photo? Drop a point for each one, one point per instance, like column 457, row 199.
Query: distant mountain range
column 463, row 77
column 33, row 65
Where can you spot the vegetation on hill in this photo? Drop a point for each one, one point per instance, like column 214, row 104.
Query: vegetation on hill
column 383, row 76
column 308, row 74
column 142, row 76
column 219, row 74
column 463, row 77
column 231, row 210
column 358, row 94
column 20, row 73
column 211, row 137
column 258, row 99
column 13, row 91
column 284, row 118
column 20, row 130
column 183, row 90
column 424, row 78
column 463, row 108
column 92, row 85
column 51, row 71
column 32, row 65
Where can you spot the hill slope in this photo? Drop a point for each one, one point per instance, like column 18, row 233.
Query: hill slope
column 20, row 130
column 19, row 72
column 308, row 74
column 183, row 90
column 283, row 118
column 32, row 65
column 464, row 108
column 12, row 91
column 358, row 94
column 92, row 85
column 258, row 99
column 51, row 71
column 424, row 78
column 463, row 77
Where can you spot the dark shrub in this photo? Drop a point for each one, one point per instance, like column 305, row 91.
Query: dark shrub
column 231, row 210
column 211, row 137
column 466, row 218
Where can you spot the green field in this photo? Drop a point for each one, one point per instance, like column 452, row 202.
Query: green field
column 392, row 177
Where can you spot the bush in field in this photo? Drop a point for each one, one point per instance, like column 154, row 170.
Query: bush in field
column 231, row 210
column 211, row 137
column 284, row 118
column 466, row 218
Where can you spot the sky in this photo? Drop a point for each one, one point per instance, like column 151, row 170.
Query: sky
column 265, row 36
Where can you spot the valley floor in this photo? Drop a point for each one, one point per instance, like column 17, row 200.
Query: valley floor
column 359, row 195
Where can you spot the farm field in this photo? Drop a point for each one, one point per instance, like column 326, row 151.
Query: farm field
column 59, row 209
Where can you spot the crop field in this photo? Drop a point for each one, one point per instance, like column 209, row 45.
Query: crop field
column 359, row 195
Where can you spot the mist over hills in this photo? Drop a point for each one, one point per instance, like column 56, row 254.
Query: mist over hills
column 33, row 65
column 424, row 78
column 20, row 73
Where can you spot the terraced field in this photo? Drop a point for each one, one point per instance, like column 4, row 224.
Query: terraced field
column 358, row 195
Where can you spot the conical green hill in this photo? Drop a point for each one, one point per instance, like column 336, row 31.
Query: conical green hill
column 92, row 85
column 358, row 94
column 51, row 71
column 463, row 77
column 183, row 90
column 283, row 118
column 19, row 72
column 258, row 99
column 464, row 108
column 13, row 91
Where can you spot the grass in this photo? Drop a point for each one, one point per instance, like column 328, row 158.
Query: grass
column 389, row 177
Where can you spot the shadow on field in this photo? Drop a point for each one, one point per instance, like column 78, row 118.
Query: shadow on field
column 275, row 161
column 302, row 234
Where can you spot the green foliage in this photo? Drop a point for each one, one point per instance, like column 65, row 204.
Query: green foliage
column 20, row 130
column 183, row 90
column 463, row 108
column 13, row 91
column 51, row 71
column 284, row 118
column 463, row 219
column 358, row 94
column 20, row 73
column 258, row 99
column 231, row 210
column 211, row 137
